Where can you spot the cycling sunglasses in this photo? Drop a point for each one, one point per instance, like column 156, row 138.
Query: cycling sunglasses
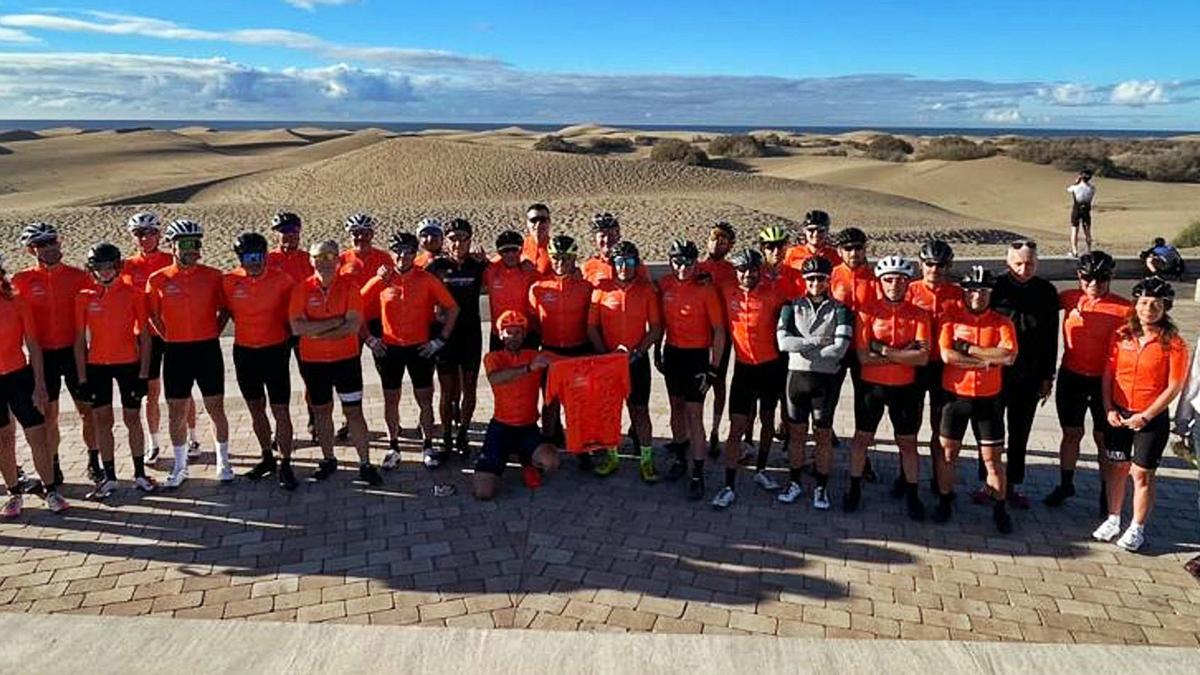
column 1100, row 278
column 538, row 220
column 145, row 232
column 325, row 256
column 509, row 249
column 681, row 261
column 1024, row 243
column 852, row 247
column 815, row 278
column 188, row 244
column 253, row 258
column 624, row 261
column 934, row 263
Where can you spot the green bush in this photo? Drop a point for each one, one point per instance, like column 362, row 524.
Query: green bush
column 1180, row 164
column 956, row 149
column 889, row 148
column 675, row 150
column 605, row 144
column 643, row 140
column 1068, row 154
column 552, row 143
column 737, row 145
column 1189, row 236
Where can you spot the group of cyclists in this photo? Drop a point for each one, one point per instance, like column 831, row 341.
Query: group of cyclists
column 793, row 322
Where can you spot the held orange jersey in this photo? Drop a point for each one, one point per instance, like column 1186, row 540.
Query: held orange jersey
column 1088, row 327
column 986, row 329
column 516, row 400
column 691, row 311
column 296, row 264
column 624, row 313
column 360, row 268
column 50, row 292
column 138, row 267
column 111, row 318
column 16, row 323
column 560, row 306
column 1141, row 372
column 596, row 269
column 538, row 255
column 507, row 288
column 188, row 301
column 752, row 316
column 259, row 306
column 856, row 287
column 406, row 304
column 720, row 271
column 312, row 302
column 592, row 390
column 796, row 255
column 898, row 325
column 939, row 301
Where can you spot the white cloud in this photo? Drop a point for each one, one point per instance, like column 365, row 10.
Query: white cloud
column 1002, row 116
column 311, row 5
column 12, row 36
column 1138, row 93
column 1071, row 94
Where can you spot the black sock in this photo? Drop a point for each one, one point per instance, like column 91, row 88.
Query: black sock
column 730, row 478
column 267, row 454
column 822, row 479
column 139, row 467
column 1067, row 478
column 796, row 475
column 285, row 461
column 760, row 460
column 93, row 459
column 697, row 468
column 110, row 469
column 856, row 484
column 1000, row 506
column 681, row 451
column 910, row 489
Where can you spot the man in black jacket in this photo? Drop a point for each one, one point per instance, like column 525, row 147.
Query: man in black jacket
column 1032, row 304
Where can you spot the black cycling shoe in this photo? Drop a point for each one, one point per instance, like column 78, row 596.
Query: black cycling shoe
column 695, row 490
column 1059, row 495
column 942, row 511
column 677, row 470
column 851, row 501
column 94, row 473
column 899, row 486
column 1003, row 521
column 368, row 474
column 431, row 459
column 915, row 509
column 287, row 477
column 264, row 468
column 325, row 468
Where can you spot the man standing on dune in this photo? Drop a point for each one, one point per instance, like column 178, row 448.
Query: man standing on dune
column 1083, row 193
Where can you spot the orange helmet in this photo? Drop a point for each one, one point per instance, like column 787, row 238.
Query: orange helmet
column 512, row 319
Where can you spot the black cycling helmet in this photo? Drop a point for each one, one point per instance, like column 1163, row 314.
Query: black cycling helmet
column 937, row 251
column 604, row 221
column 1096, row 264
column 285, row 221
column 816, row 265
column 682, row 249
column 403, row 241
column 1155, row 287
column 509, row 239
column 818, row 218
column 746, row 258
column 103, row 253
column 460, row 225
column 563, row 246
column 978, row 277
column 851, row 236
column 624, row 249
column 249, row 242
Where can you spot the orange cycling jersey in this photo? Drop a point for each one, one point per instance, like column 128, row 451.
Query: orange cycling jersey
column 538, row 255
column 310, row 301
column 752, row 316
column 50, row 292
column 785, row 280
column 624, row 313
column 507, row 288
column 596, row 269
column 691, row 311
column 593, row 390
column 854, row 287
column 111, row 317
column 406, row 303
column 796, row 255
column 16, row 323
column 898, row 325
column 360, row 268
column 1088, row 327
column 988, row 329
column 296, row 264
column 138, row 268
column 425, row 257
column 259, row 306
column 1141, row 372
column 187, row 302
column 516, row 400
column 939, row 301
column 720, row 271
column 560, row 305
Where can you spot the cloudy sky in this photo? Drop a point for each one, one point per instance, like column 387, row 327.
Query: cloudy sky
column 918, row 63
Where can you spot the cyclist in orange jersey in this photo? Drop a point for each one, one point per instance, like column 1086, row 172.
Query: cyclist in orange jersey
column 976, row 342
column 694, row 337
column 789, row 284
column 717, row 269
column 537, row 238
column 288, row 256
column 405, row 302
column 50, row 287
column 816, row 242
column 854, row 284
column 146, row 230
column 326, row 311
column 507, row 281
column 113, row 347
column 187, row 307
column 258, row 297
column 361, row 262
column 625, row 317
column 432, row 238
column 751, row 310
column 1146, row 370
column 1091, row 316
column 515, row 373
column 606, row 233
column 23, row 397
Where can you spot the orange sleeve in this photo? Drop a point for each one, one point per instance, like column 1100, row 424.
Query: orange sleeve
column 490, row 360
column 1008, row 336
column 593, row 317
column 222, row 302
column 946, row 336
column 26, row 317
column 442, row 295
column 140, row 311
column 1114, row 352
column 153, row 300
column 369, row 300
column 861, row 326
column 716, row 310
column 654, row 313
column 81, row 303
column 296, row 302
column 1179, row 362
column 355, row 302
column 924, row 327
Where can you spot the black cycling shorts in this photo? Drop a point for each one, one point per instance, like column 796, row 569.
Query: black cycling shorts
column 757, row 385
column 502, row 441
column 193, row 363
column 264, row 372
column 812, row 395
column 399, row 359
column 58, row 366
column 16, row 395
column 323, row 378
column 1143, row 447
column 683, row 369
column 1081, row 214
column 495, row 344
column 903, row 405
column 639, row 382
column 929, row 379
column 464, row 350
column 985, row 416
column 1076, row 395
column 157, row 347
column 100, row 380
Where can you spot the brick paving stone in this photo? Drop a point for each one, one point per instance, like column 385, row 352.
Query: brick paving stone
column 553, row 622
column 322, row 612
column 247, row 607
column 632, row 619
column 665, row 624
column 751, row 623
column 662, row 606
column 442, row 610
column 587, row 611
column 401, row 616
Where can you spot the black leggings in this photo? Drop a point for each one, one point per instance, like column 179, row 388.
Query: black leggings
column 1020, row 401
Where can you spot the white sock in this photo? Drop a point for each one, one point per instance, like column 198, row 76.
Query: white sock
column 222, row 454
column 180, row 457
column 1114, row 518
column 192, row 435
column 1136, row 527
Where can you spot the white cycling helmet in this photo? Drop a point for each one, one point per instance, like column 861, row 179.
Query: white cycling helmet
column 894, row 264
column 143, row 220
column 181, row 229
column 360, row 222
column 430, row 225
column 37, row 233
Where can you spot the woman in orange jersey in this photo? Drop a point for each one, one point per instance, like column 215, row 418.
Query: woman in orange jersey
column 1147, row 366
column 22, row 396
column 113, row 347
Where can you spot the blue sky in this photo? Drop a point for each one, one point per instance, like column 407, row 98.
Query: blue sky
column 1017, row 63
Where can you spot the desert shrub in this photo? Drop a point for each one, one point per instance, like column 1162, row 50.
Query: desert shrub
column 1067, row 154
column 830, row 152
column 675, row 150
column 1180, row 164
column 552, row 143
column 603, row 144
column 646, row 141
column 956, row 149
column 889, row 148
column 1189, row 236
column 737, row 145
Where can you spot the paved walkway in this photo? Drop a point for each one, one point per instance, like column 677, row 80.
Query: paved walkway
column 608, row 555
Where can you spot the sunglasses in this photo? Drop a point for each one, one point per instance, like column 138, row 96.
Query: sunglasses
column 935, row 264
column 288, row 230
column 1024, row 243
column 404, row 250
column 773, row 244
column 851, row 247
column 254, row 258
column 104, row 267
column 815, row 228
column 51, row 243
column 150, row 231
column 362, row 233
column 815, row 278
column 458, row 237
column 683, row 262
column 509, row 249
column 188, row 244
column 538, row 220
column 325, row 257
column 1099, row 278
column 625, row 261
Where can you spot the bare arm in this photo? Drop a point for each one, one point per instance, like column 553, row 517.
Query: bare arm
column 718, row 346
column 451, row 319
column 994, row 356
column 81, row 355
column 144, row 350
column 349, row 326
column 498, row 377
column 597, row 340
column 315, row 327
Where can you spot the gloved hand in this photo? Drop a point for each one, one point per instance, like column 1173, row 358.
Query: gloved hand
column 706, row 380
column 429, row 349
column 962, row 347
